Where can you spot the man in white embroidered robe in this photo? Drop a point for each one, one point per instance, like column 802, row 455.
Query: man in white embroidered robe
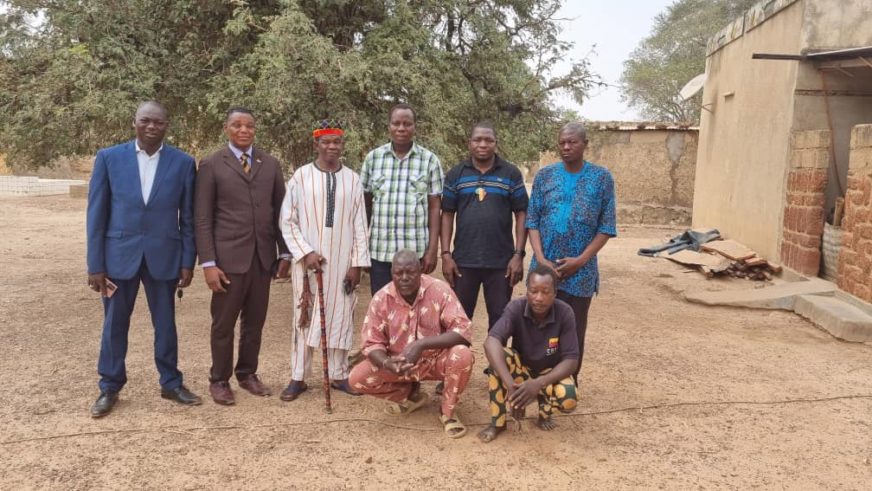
column 323, row 221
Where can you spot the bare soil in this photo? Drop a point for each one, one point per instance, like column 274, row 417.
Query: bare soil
column 675, row 395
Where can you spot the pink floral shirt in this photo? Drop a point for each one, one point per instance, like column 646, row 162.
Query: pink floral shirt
column 392, row 323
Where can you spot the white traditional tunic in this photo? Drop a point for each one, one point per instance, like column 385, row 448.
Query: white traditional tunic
column 324, row 212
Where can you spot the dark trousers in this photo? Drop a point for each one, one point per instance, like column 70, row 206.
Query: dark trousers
column 580, row 306
column 116, row 325
column 497, row 291
column 247, row 299
column 379, row 275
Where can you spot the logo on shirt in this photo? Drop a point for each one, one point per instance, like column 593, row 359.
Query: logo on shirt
column 553, row 344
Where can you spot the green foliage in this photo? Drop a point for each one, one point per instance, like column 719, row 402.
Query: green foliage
column 673, row 54
column 72, row 71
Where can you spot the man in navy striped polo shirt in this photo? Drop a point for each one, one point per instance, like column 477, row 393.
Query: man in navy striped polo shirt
column 479, row 198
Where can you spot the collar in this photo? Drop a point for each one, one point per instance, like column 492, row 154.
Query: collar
column 426, row 281
column 139, row 149
column 528, row 313
column 498, row 162
column 412, row 151
column 238, row 152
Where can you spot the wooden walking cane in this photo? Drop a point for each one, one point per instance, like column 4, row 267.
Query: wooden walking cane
column 319, row 276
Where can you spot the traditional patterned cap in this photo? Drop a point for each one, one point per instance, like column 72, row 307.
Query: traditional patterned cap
column 328, row 127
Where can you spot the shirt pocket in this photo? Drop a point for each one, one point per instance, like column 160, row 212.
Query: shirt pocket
column 417, row 190
column 377, row 185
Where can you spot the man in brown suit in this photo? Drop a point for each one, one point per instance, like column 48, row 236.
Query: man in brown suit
column 239, row 193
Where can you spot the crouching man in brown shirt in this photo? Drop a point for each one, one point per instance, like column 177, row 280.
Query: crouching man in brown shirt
column 541, row 361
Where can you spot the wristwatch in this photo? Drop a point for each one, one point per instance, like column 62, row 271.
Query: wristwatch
column 519, row 252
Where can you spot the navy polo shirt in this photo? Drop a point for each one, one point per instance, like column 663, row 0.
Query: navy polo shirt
column 539, row 346
column 483, row 206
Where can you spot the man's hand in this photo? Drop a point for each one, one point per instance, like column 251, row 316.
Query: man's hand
column 428, row 262
column 450, row 270
column 313, row 261
column 393, row 364
column 515, row 270
column 412, row 352
column 568, row 266
column 97, row 282
column 353, row 276
column 283, row 269
column 185, row 277
column 523, row 394
column 548, row 264
column 215, row 279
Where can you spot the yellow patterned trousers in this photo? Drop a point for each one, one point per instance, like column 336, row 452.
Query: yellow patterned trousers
column 561, row 396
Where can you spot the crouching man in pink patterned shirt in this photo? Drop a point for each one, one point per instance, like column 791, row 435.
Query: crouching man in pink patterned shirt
column 415, row 330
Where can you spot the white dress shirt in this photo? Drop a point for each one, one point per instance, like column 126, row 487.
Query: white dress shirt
column 147, row 169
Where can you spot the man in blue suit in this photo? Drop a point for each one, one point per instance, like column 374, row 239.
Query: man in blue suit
column 140, row 229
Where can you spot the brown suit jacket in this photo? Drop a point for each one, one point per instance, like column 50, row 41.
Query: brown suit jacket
column 236, row 215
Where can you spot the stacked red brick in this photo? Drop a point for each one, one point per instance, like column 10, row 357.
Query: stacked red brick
column 804, row 209
column 855, row 258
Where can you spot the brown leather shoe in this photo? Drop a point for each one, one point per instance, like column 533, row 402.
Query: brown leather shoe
column 255, row 386
column 221, row 393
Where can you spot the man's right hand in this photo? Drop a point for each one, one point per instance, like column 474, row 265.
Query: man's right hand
column 215, row 279
column 450, row 271
column 97, row 282
column 313, row 261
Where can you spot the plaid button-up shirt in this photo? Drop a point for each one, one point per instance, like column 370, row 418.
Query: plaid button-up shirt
column 400, row 188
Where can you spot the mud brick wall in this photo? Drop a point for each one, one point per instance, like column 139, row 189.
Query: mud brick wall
column 855, row 257
column 804, row 204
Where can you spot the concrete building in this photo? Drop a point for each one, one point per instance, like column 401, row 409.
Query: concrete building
column 787, row 86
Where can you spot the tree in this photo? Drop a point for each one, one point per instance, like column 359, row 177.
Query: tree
column 69, row 82
column 673, row 54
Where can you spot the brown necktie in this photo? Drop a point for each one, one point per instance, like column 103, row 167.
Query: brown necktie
column 246, row 166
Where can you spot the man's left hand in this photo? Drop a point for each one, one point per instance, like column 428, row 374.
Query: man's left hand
column 524, row 394
column 515, row 270
column 428, row 262
column 185, row 277
column 284, row 269
column 568, row 266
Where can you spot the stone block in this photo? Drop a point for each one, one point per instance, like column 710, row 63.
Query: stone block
column 815, row 158
column 860, row 160
column 861, row 136
column 781, row 296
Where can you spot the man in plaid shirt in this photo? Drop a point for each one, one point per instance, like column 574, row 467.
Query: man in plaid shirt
column 402, row 183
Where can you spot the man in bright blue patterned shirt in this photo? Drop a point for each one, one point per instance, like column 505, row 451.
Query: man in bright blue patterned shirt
column 402, row 186
column 570, row 218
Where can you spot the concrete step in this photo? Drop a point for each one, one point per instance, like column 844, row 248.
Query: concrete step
column 782, row 296
column 837, row 317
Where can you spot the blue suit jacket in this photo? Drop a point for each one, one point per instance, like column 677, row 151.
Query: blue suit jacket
column 123, row 231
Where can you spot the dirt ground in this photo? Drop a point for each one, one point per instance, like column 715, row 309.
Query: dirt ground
column 675, row 395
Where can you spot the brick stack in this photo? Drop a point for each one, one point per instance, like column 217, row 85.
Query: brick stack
column 855, row 258
column 804, row 207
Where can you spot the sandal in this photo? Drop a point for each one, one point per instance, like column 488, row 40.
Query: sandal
column 453, row 427
column 293, row 391
column 411, row 405
column 344, row 386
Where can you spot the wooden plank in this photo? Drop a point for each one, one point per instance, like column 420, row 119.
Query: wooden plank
column 729, row 249
column 755, row 261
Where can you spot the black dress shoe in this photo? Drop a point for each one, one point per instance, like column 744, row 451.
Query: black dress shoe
column 104, row 404
column 182, row 395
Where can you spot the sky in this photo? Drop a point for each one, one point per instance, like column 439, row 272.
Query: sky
column 615, row 28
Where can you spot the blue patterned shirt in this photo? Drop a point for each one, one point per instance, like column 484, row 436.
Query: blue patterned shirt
column 569, row 210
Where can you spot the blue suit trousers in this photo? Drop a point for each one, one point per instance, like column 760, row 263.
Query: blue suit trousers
column 116, row 325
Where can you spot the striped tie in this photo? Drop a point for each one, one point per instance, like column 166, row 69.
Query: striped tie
column 246, row 166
